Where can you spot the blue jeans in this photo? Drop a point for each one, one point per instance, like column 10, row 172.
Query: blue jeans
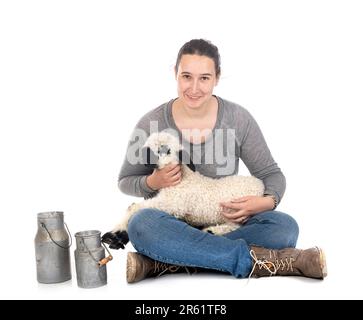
column 162, row 237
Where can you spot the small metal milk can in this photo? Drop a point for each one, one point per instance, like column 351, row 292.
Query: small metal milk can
column 90, row 259
column 52, row 245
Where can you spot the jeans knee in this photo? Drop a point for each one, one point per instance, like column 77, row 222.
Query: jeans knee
column 289, row 228
column 136, row 224
column 142, row 225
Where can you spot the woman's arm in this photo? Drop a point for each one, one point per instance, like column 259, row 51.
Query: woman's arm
column 133, row 173
column 257, row 157
column 148, row 184
column 132, row 180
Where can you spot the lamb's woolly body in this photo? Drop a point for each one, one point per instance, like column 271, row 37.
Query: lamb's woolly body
column 196, row 198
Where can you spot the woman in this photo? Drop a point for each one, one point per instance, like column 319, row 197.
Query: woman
column 218, row 133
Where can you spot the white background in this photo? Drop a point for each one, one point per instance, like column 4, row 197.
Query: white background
column 75, row 76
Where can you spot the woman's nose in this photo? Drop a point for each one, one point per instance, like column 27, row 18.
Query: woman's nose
column 195, row 86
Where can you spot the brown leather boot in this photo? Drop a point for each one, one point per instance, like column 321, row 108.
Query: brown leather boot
column 288, row 262
column 140, row 267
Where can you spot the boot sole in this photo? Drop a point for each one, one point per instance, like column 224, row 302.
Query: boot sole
column 131, row 267
column 323, row 266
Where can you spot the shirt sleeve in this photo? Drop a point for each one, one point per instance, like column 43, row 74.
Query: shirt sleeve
column 133, row 173
column 257, row 157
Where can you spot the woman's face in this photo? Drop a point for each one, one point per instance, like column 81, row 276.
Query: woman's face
column 196, row 79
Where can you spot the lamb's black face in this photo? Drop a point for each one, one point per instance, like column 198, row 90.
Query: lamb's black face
column 150, row 158
column 159, row 158
column 164, row 156
column 163, row 149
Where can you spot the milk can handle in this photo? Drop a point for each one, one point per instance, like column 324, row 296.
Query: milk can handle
column 44, row 226
column 103, row 261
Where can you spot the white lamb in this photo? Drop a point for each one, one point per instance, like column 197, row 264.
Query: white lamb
column 196, row 199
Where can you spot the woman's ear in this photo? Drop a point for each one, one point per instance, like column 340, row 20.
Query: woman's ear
column 184, row 158
column 149, row 158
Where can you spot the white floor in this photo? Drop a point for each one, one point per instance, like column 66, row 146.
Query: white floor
column 19, row 282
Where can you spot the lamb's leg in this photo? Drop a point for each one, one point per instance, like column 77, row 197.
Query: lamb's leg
column 131, row 210
column 118, row 237
column 221, row 229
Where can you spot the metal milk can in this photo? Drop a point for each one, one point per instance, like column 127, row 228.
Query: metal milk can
column 52, row 245
column 90, row 259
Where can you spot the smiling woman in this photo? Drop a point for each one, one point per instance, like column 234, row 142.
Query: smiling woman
column 205, row 121
column 196, row 79
column 197, row 72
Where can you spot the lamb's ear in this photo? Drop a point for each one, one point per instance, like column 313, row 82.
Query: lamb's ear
column 184, row 158
column 149, row 158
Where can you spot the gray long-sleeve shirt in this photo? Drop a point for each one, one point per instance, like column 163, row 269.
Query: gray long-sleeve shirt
column 236, row 135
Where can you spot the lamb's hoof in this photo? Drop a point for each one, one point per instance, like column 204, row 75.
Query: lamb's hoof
column 208, row 229
column 116, row 240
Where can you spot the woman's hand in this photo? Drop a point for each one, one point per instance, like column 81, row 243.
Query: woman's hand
column 238, row 210
column 166, row 177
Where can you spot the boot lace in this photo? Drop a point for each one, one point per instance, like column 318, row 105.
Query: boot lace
column 271, row 267
column 262, row 264
column 283, row 263
column 160, row 268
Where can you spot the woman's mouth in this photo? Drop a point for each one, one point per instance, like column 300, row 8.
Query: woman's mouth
column 194, row 98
